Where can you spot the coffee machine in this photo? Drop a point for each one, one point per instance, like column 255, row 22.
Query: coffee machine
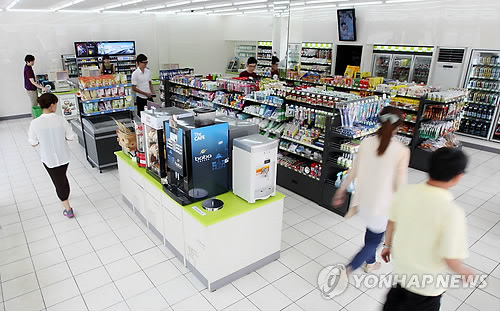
column 197, row 159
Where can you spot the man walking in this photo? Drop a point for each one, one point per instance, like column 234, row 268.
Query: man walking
column 426, row 234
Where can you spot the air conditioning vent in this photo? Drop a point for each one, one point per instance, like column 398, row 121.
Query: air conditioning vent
column 451, row 55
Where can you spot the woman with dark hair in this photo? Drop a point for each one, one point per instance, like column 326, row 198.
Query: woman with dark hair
column 380, row 168
column 50, row 132
column 107, row 68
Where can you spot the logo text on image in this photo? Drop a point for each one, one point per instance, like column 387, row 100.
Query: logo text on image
column 332, row 281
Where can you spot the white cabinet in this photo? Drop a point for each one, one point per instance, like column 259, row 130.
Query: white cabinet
column 137, row 194
column 124, row 173
column 153, row 212
column 173, row 230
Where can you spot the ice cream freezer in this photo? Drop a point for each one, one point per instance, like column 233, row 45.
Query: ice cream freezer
column 100, row 138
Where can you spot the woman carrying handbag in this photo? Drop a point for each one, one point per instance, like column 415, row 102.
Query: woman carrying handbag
column 379, row 169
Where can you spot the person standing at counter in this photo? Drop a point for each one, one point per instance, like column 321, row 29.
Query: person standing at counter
column 141, row 83
column 250, row 72
column 275, row 73
column 29, row 81
column 50, row 133
column 107, row 68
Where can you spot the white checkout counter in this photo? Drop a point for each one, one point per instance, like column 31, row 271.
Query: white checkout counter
column 218, row 247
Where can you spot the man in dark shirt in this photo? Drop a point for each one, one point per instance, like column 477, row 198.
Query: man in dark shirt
column 250, row 72
column 275, row 73
column 29, row 81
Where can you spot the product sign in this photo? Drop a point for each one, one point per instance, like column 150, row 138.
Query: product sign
column 68, row 104
column 210, row 158
column 174, row 148
column 169, row 74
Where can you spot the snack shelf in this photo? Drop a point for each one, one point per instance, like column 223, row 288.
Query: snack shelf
column 405, row 133
column 187, row 95
column 301, row 155
column 228, row 106
column 106, row 87
column 108, row 111
column 103, row 99
column 315, row 178
column 334, row 133
column 327, row 109
column 405, row 108
column 333, row 162
column 302, row 143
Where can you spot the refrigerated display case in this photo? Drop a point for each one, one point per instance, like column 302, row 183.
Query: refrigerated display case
column 401, row 67
column 421, row 69
column 381, row 64
column 483, row 82
column 69, row 64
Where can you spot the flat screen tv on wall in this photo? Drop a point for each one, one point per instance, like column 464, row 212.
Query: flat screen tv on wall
column 346, row 20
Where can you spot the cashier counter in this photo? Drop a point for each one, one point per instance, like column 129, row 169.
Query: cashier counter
column 217, row 246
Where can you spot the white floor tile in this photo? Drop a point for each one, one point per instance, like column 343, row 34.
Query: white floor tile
column 138, row 244
column 77, row 249
column 292, row 218
column 243, row 304
column 92, row 279
column 73, row 304
column 84, row 263
column 493, row 286
column 194, row 303
column 176, row 290
column 269, row 298
column 293, row 236
column 71, row 237
column 96, row 229
column 483, row 301
column 162, row 272
column 344, row 230
column 150, row 300
column 121, row 306
column 150, row 257
column 102, row 297
column 19, row 286
column 307, row 211
column 112, row 253
column 104, row 240
column 16, row 269
column 30, row 301
column 134, row 284
column 39, row 234
column 250, row 283
column 223, row 297
column 311, row 248
column 195, row 281
column 480, row 262
column 48, row 259
column 59, row 292
column 310, row 272
column 122, row 268
column 329, row 239
column 53, row 274
column 309, row 228
column 293, row 286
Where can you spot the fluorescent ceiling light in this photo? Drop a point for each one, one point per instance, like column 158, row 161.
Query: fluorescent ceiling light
column 401, row 1
column 67, row 5
column 249, row 2
column 253, row 7
column 281, row 2
column 297, row 3
column 178, row 3
column 360, row 3
column 131, row 2
column 193, row 9
column 29, row 10
column 225, row 10
column 280, row 7
column 155, row 7
column 323, row 1
column 112, row 6
column 194, row 1
column 226, row 14
column 314, row 7
column 12, row 4
column 256, row 11
column 118, row 12
column 218, row 6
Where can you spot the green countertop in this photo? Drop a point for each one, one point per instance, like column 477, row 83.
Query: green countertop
column 74, row 91
column 233, row 205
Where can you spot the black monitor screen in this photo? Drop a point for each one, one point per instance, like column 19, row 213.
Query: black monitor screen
column 86, row 49
column 116, row 47
column 346, row 24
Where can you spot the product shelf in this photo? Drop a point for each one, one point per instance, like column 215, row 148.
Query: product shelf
column 405, row 108
column 334, row 133
column 480, row 103
column 333, row 162
column 487, row 65
column 302, row 143
column 261, row 102
column 301, row 155
column 316, row 63
column 315, row 178
column 194, row 87
column 229, row 106
column 263, row 117
column 103, row 99
column 483, row 89
column 485, row 78
column 108, row 111
column 106, row 87
column 405, row 133
column 408, row 121
column 477, row 119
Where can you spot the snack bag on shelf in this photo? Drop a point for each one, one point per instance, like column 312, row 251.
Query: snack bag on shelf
column 101, row 93
column 91, row 82
column 102, row 106
column 105, row 81
column 108, row 93
column 121, row 91
column 96, row 107
column 114, row 91
column 93, row 94
column 98, row 81
column 86, row 95
column 116, row 104
column 117, row 78
column 123, row 78
column 108, row 105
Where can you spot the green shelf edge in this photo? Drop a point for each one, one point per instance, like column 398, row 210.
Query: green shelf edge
column 233, row 205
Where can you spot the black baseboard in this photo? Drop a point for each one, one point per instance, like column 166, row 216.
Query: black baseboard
column 18, row 116
column 481, row 147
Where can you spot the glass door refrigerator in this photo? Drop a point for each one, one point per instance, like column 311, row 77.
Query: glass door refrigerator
column 381, row 65
column 421, row 69
column 483, row 82
column 401, row 67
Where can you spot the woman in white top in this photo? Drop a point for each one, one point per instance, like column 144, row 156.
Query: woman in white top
column 49, row 133
column 380, row 168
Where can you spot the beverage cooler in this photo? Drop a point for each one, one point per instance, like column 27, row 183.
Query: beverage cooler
column 154, row 138
column 402, row 63
column 481, row 116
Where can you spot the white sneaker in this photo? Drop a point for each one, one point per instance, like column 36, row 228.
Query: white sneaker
column 370, row 267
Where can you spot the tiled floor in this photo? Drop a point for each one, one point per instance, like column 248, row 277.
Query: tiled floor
column 106, row 259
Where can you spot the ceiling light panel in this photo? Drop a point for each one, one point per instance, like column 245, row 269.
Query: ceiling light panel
column 253, row 7
column 360, row 3
column 324, row 1
column 225, row 10
column 177, row 4
column 220, row 5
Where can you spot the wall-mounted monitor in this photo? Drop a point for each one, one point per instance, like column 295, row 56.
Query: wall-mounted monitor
column 100, row 48
column 116, row 47
column 85, row 49
column 346, row 20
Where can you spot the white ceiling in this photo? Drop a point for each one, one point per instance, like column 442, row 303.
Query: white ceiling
column 213, row 7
